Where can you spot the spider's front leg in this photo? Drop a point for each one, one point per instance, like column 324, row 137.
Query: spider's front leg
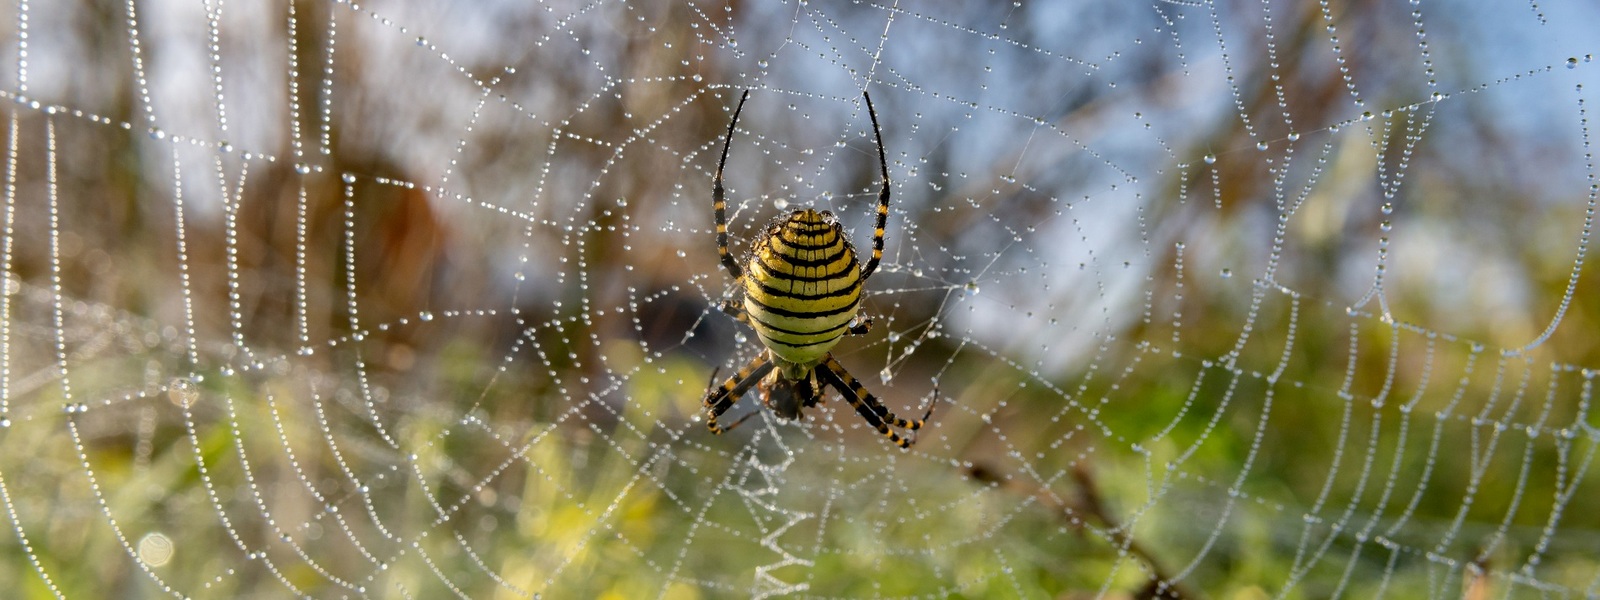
column 719, row 399
column 868, row 406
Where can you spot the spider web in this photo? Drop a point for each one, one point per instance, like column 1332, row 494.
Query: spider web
column 405, row 299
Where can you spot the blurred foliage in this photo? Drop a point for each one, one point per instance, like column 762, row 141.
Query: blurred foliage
column 514, row 406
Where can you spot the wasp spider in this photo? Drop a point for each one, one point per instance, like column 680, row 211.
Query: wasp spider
column 802, row 288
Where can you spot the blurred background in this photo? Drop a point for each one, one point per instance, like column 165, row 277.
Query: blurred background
column 415, row 299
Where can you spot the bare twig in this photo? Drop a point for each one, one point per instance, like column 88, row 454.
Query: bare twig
column 1089, row 505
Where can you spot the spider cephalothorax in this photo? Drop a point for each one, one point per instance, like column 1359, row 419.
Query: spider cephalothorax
column 802, row 288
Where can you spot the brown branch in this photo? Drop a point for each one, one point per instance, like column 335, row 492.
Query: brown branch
column 1089, row 505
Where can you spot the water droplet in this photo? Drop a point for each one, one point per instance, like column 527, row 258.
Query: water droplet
column 302, row 168
column 425, row 316
column 1226, row 273
column 972, row 288
column 182, row 392
column 157, row 134
column 886, row 375
column 1210, row 158
column 5, row 422
column 155, row 549
column 1366, row 116
column 1262, row 146
column 780, row 203
column 348, row 177
column 1294, row 136
column 1572, row 63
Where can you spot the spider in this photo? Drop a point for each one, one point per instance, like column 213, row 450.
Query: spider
column 802, row 288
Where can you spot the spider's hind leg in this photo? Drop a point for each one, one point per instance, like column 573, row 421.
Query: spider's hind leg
column 719, row 203
column 883, row 195
column 733, row 309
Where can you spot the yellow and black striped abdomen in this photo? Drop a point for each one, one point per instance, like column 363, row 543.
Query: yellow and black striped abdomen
column 802, row 285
